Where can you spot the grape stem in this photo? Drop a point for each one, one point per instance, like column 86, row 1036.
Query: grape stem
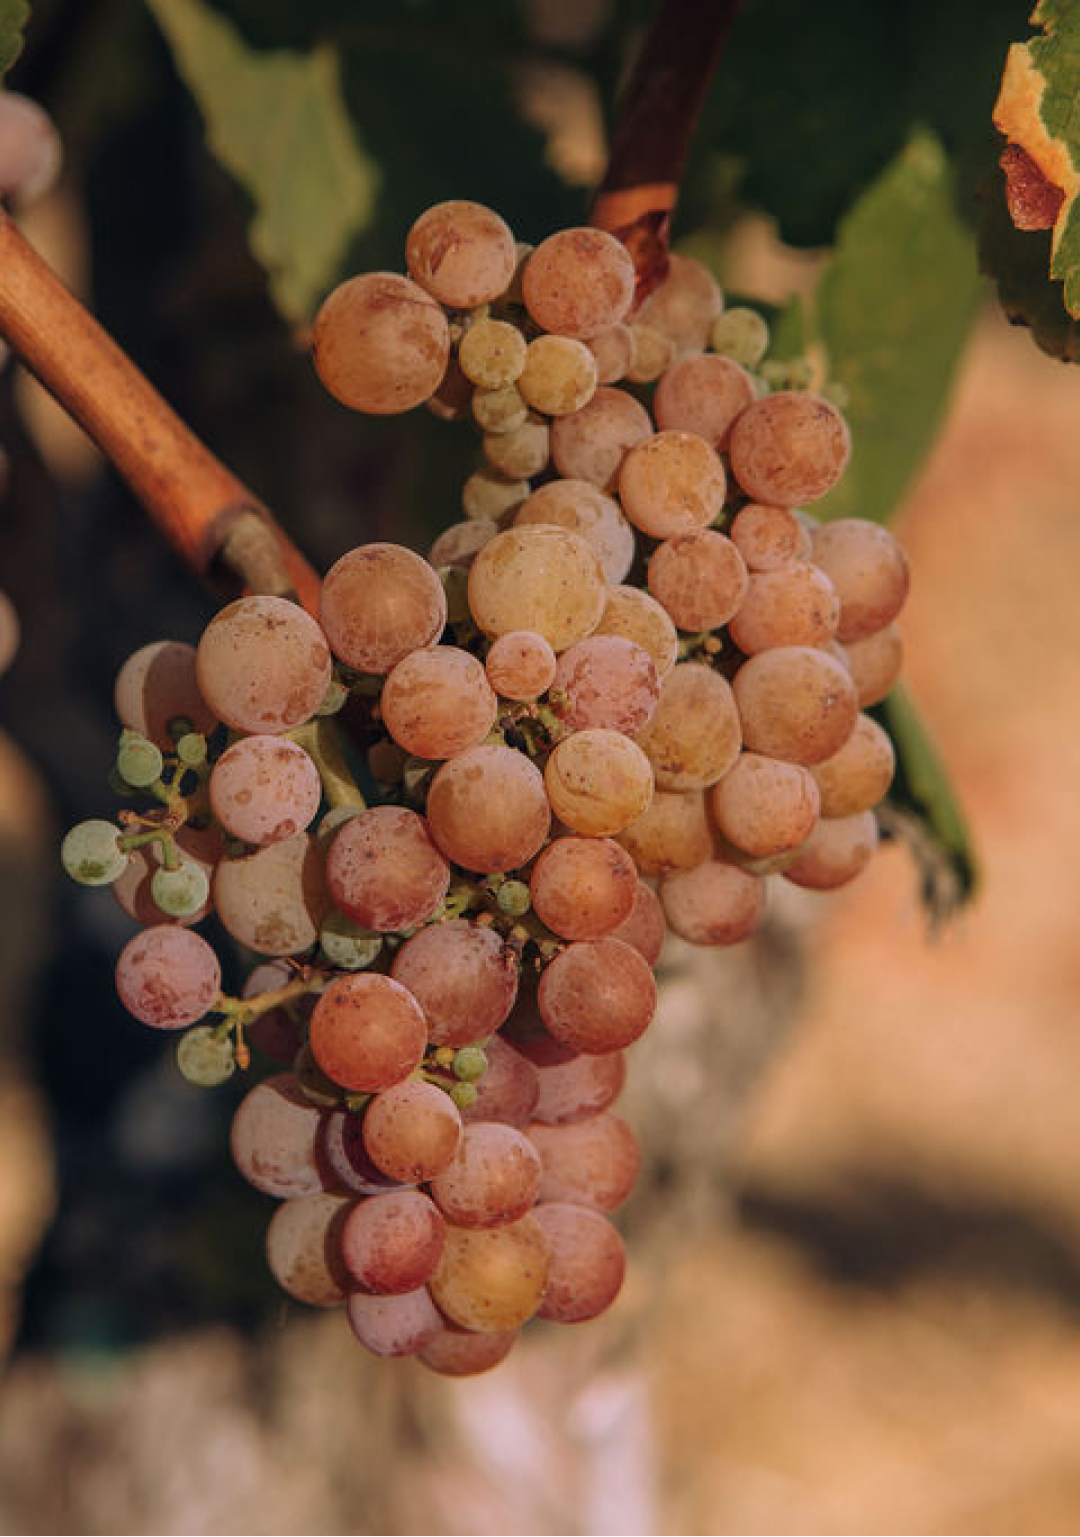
column 214, row 522
column 657, row 114
column 320, row 740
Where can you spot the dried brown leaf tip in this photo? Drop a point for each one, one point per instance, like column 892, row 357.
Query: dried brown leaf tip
column 1034, row 201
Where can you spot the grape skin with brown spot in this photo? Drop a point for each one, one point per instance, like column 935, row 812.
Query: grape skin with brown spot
column 591, row 443
column 764, row 806
column 274, row 901
column 380, row 344
column 391, row 1243
column 462, row 253
column 263, row 789
column 379, row 602
column 769, row 538
column 789, row 448
column 583, row 888
column 869, row 571
column 700, row 578
column 592, row 1163
column 597, row 995
column 672, row 834
column 367, row 1032
column 538, row 578
column 263, row 665
column 797, row 606
column 487, row 809
column 463, row 976
column 492, row 1179
column 167, row 977
column 584, row 509
column 579, row 282
column 714, row 904
column 437, row 702
column 273, row 1139
column 521, row 665
column 703, row 394
column 158, row 684
column 588, row 1262
column 384, row 870
column 608, row 681
column 637, row 616
column 412, row 1131
column 672, row 483
column 795, row 703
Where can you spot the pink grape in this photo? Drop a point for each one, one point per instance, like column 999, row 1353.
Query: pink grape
column 303, row 1248
column 858, row 776
column 703, row 394
column 380, row 344
column 459, row 544
column 714, row 904
column 487, row 809
column 343, row 1159
column 507, row 1091
column 30, row 149
column 412, row 1131
column 384, row 871
column 613, row 350
column 608, row 681
column 263, row 665
column 273, row 1139
column 157, row 684
column 769, row 538
column 583, row 888
column 274, row 901
column 588, row 1163
column 437, row 702
column 685, row 304
column 588, row 1262
column 672, row 483
column 579, row 282
column 584, row 509
column 379, row 602
column 394, row 1326
column 637, row 616
column 492, row 1180
column 695, row 734
column 167, row 977
column 462, row 1353
column 795, row 703
column 462, row 253
column 797, row 606
column 836, row 852
column 580, row 1088
column 520, row 665
column 646, row 926
column 875, row 663
column 673, row 833
column 464, row 977
column 367, row 1032
column 597, row 995
column 700, row 578
column 391, row 1243
column 869, row 571
column 591, row 444
column 538, row 578
column 789, row 448
column 263, row 789
column 764, row 806
column 598, row 781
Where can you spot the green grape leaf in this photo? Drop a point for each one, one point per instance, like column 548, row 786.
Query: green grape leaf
column 1018, row 261
column 895, row 305
column 923, row 811
column 789, row 330
column 14, row 14
column 277, row 120
column 1036, row 109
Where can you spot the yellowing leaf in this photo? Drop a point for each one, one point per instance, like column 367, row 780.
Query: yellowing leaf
column 276, row 119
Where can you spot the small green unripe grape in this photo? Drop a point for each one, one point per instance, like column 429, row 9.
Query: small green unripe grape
column 91, row 854
column 191, row 749
column 470, row 1063
column 313, row 1083
column 486, row 494
column 346, row 945
column 514, row 898
column 463, row 1095
column 335, row 697
column 204, row 1057
column 182, row 891
column 443, row 1056
column 138, row 760
column 741, row 334
column 492, row 353
column 499, row 410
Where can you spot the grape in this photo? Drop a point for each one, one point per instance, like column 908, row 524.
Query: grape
column 263, row 665
column 385, row 872
column 470, row 1063
column 520, row 665
column 714, row 904
column 273, row 1139
column 591, row 1163
column 313, row 1083
column 579, row 282
column 559, row 375
column 91, row 855
column 499, row 410
column 869, row 571
column 521, row 451
column 462, row 253
column 700, row 579
column 637, row 616
column 646, row 926
column 277, row 1033
column 538, row 578
column 741, row 334
column 796, row 606
column 463, row 1095
column 508, row 1089
column 703, row 394
column 181, row 893
column 303, row 1244
column 613, row 350
column 488, row 810
column 275, row 900
column 191, row 748
column 588, row 1262
column 585, row 510
column 412, row 1131
column 462, row 1353
column 29, row 149
column 492, row 1180
column 492, row 354
column 157, row 684
column 597, row 995
column 380, row 344
column 264, row 789
column 673, row 833
column 836, row 852
column 598, row 781
column 167, row 977
column 765, row 807
column 591, row 443
column 367, row 1032
column 856, row 777
column 582, row 888
column 653, row 353
column 580, row 1088
column 491, row 1279
column 608, row 681
column 789, row 448
column 391, row 1243
column 529, row 1036
column 795, row 703
column 672, row 483
column 205, row 1058
column 379, row 602
column 437, row 702
column 875, row 663
column 461, row 542
column 394, row 1326
column 347, row 945
column 489, row 495
column 343, row 1159
column 464, row 977
column 138, row 762
column 769, row 538
column 694, row 735
column 9, row 619
column 685, row 304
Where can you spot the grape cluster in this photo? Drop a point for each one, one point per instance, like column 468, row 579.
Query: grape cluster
column 454, row 815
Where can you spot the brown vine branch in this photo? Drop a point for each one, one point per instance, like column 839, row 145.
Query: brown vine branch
column 210, row 517
column 658, row 112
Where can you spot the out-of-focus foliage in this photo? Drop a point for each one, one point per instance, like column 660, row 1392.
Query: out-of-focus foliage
column 13, row 15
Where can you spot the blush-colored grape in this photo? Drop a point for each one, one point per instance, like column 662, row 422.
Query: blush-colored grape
column 274, row 901
column 584, row 509
column 303, row 1248
column 583, row 888
column 167, row 977
column 507, row 1091
column 391, row 1243
column 158, row 684
column 380, row 344
column 462, row 253
column 875, row 663
column 492, row 1180
column 492, row 1279
column 795, row 703
column 703, row 394
column 412, row 1131
column 764, row 806
column 673, row 833
column 590, row 444
column 694, row 736
column 769, row 538
column 701, row 579
column 263, row 789
column 384, row 870
column 394, row 1326
column 588, row 1163
column 538, row 578
column 520, row 665
column 646, row 926
column 597, row 995
column 858, row 776
column 836, row 852
column 607, row 681
column 379, row 602
column 869, row 571
column 273, row 1139
column 797, row 606
column 437, row 702
column 367, row 1032
column 588, row 1262
column 463, row 976
column 714, row 904
column 598, row 781
column 789, row 448
column 579, row 282
column 462, row 1353
column 579, row 1088
column 263, row 665
column 685, row 304
column 487, row 809
column 672, row 483
column 637, row 616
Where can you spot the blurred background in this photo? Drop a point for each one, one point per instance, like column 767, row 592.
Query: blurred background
column 853, row 1302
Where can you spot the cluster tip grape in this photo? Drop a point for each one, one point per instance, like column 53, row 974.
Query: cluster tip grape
column 625, row 694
